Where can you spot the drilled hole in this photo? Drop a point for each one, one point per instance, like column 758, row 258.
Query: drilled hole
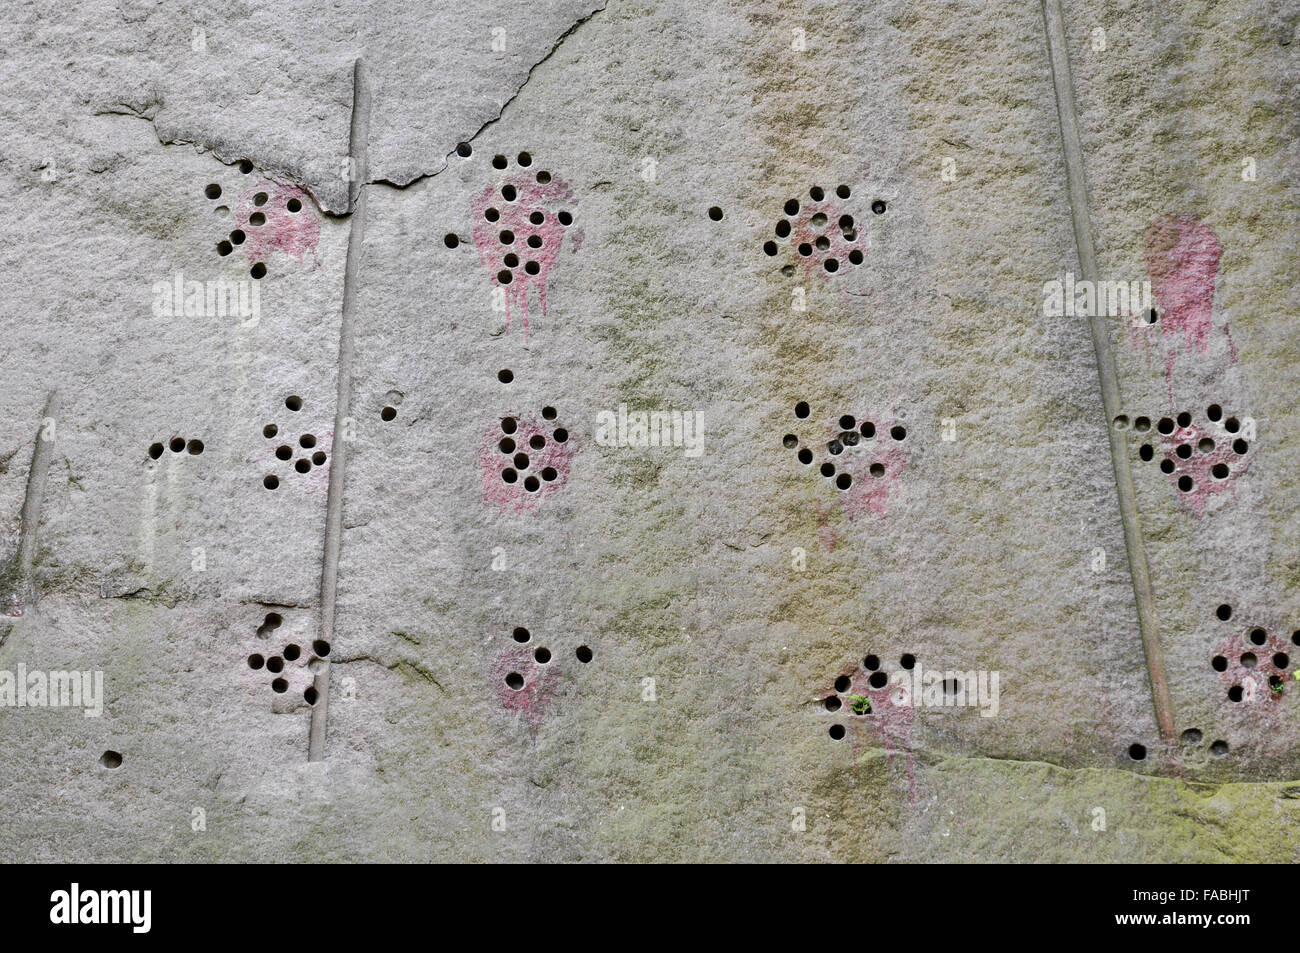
column 310, row 695
column 275, row 664
column 388, row 413
column 292, row 652
column 111, row 760
column 837, row 732
column 715, row 213
column 213, row 191
column 270, row 481
column 1137, row 752
column 451, row 240
column 584, row 654
column 279, row 686
column 303, row 465
column 293, row 403
column 542, row 655
column 255, row 661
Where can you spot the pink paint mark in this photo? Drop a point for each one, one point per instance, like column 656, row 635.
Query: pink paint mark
column 523, row 467
column 297, row 234
column 1250, row 656
column 889, row 723
column 870, row 453
column 825, row 238
column 825, row 532
column 1198, row 474
column 519, row 226
column 1182, row 260
column 533, row 698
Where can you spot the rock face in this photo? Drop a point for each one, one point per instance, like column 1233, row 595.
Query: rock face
column 620, row 430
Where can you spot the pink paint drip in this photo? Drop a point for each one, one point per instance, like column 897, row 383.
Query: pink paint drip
column 890, row 722
column 534, row 214
column 493, row 463
column 534, row 699
column 297, row 234
column 1182, row 260
column 804, row 233
column 1233, row 648
column 1199, row 466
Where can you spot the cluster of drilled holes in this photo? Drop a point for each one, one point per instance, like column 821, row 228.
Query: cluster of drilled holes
column 815, row 239
column 851, row 432
column 518, row 454
column 176, row 445
column 541, row 655
column 877, row 680
column 255, row 220
column 1191, row 442
column 312, row 456
column 290, row 653
column 516, row 248
column 1272, row 664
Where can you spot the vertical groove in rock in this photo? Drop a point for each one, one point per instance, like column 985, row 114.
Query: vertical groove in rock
column 334, row 506
column 1058, row 55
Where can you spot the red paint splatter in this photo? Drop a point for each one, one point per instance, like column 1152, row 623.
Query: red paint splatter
column 822, row 232
column 1250, row 665
column 297, row 234
column 889, row 723
column 499, row 457
column 519, row 227
column 1182, row 260
column 534, row 697
column 1201, row 474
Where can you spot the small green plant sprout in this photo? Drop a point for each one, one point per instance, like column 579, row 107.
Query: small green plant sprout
column 860, row 704
column 1276, row 685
